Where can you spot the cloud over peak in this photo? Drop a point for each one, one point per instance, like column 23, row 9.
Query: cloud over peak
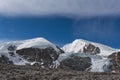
column 59, row 7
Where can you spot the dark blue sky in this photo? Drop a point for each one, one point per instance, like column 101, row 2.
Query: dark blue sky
column 56, row 29
column 62, row 30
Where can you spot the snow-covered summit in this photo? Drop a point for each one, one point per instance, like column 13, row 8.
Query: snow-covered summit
column 36, row 43
column 29, row 51
column 30, row 43
column 75, row 47
column 79, row 44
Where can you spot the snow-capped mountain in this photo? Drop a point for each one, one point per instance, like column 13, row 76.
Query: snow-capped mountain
column 32, row 51
column 83, row 46
column 99, row 54
column 79, row 55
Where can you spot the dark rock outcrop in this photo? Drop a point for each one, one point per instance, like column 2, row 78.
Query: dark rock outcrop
column 11, row 53
column 44, row 57
column 115, row 59
column 11, row 50
column 5, row 60
column 91, row 49
column 76, row 63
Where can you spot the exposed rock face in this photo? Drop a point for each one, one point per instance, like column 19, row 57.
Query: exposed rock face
column 76, row 63
column 44, row 57
column 11, row 50
column 5, row 60
column 91, row 49
column 115, row 59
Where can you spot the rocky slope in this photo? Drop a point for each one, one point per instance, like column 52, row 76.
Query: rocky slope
column 12, row 72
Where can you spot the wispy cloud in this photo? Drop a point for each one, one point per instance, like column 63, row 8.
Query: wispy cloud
column 59, row 7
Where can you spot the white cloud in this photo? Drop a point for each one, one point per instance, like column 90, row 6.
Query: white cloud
column 59, row 7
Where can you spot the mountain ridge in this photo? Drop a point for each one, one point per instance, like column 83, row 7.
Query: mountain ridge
column 83, row 54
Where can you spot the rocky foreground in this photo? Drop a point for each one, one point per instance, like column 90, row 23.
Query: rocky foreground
column 12, row 72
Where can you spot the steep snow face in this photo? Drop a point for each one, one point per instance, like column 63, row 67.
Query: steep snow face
column 78, row 45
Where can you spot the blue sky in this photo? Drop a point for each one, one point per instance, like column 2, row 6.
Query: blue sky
column 105, row 30
column 56, row 29
column 62, row 30
column 61, row 21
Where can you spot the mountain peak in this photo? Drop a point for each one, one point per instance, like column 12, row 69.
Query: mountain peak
column 79, row 45
column 75, row 46
column 36, row 43
column 80, row 40
column 29, row 43
column 39, row 39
